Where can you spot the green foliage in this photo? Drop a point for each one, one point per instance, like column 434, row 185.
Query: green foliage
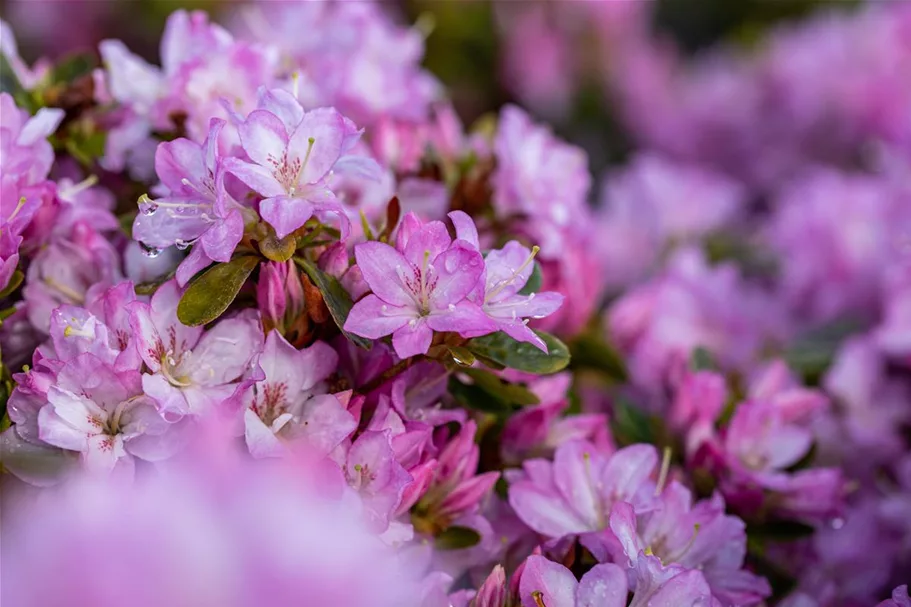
column 534, row 281
column 209, row 296
column 457, row 538
column 521, row 356
column 337, row 299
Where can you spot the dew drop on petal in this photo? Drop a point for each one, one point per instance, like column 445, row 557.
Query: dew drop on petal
column 451, row 264
column 151, row 252
column 148, row 208
column 181, row 244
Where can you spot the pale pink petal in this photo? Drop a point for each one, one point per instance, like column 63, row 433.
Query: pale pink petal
column 547, row 582
column 225, row 352
column 545, row 512
column 259, row 178
column 604, row 585
column 385, row 270
column 372, row 318
column 412, row 339
column 261, row 441
column 264, row 139
column 325, row 423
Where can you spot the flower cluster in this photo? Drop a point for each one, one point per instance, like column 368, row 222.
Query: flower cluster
column 278, row 329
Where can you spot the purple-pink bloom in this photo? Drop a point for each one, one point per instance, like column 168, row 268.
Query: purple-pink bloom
column 695, row 536
column 506, row 272
column 899, row 598
column 192, row 371
column 547, row 583
column 193, row 206
column 538, row 177
column 418, row 287
column 102, row 414
column 288, row 408
column 372, row 471
column 574, row 494
column 292, row 155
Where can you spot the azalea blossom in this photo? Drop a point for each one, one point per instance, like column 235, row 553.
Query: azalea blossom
column 293, row 154
column 418, row 287
column 285, row 407
column 192, row 371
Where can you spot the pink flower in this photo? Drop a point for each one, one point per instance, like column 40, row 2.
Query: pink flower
column 102, row 414
column 573, row 495
column 286, row 408
column 545, row 582
column 293, row 154
column 695, row 536
column 506, row 271
column 372, row 471
column 101, row 328
column 192, row 371
column 538, row 177
column 419, row 287
column 899, row 598
column 194, row 205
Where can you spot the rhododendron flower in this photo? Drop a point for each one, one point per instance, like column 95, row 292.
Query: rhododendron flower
column 695, row 536
column 293, row 154
column 538, row 176
column 418, row 287
column 372, row 471
column 100, row 413
column 899, row 598
column 194, row 205
column 506, row 272
column 192, row 370
column 547, row 583
column 102, row 328
column 284, row 407
column 65, row 270
column 573, row 495
column 25, row 152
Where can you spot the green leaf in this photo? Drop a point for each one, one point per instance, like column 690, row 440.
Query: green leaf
column 457, row 538
column 72, row 67
column 148, row 288
column 462, row 356
column 534, row 281
column 784, row 531
column 9, row 83
column 210, row 295
column 702, row 360
column 499, row 388
column 503, row 349
column 472, row 397
column 590, row 351
column 630, row 424
column 336, row 297
column 812, row 354
column 14, row 281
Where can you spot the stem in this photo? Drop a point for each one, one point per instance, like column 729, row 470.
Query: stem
column 390, row 373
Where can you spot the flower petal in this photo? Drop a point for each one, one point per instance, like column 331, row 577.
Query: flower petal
column 372, row 318
column 385, row 269
column 546, row 582
column 412, row 339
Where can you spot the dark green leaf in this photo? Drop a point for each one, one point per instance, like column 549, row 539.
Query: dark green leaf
column 462, row 356
column 4, row 314
column 702, row 360
column 72, row 67
column 471, row 396
column 457, row 538
column 14, row 281
column 805, row 461
column 9, row 83
column 336, row 297
column 503, row 390
column 148, row 288
column 812, row 354
column 210, row 295
column 781, row 530
column 503, row 349
column 534, row 281
column 590, row 351
column 630, row 424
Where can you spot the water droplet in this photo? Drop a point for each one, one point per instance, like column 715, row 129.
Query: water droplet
column 838, row 523
column 148, row 208
column 452, row 307
column 182, row 244
column 151, row 252
column 451, row 263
